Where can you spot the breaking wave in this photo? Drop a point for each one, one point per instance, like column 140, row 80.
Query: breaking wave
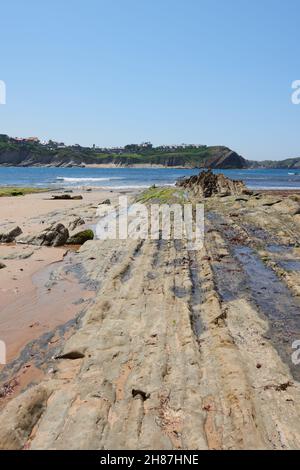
column 79, row 180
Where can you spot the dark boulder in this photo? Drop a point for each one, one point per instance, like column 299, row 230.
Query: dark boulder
column 56, row 236
column 67, row 197
column 10, row 236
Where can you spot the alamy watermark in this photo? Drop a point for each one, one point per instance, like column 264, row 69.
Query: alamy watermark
column 296, row 93
column 2, row 353
column 296, row 354
column 153, row 222
column 2, row 92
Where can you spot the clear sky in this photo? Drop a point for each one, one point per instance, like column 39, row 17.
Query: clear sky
column 112, row 72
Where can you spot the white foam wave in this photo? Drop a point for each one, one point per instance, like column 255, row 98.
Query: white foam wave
column 78, row 180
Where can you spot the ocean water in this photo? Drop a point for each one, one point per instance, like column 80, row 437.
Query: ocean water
column 136, row 177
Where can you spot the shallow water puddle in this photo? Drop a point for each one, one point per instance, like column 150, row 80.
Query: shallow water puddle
column 288, row 262
column 281, row 249
column 275, row 301
column 243, row 274
column 290, row 265
column 196, row 297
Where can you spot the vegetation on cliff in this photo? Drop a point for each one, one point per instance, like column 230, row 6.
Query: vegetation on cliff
column 288, row 163
column 14, row 152
column 31, row 152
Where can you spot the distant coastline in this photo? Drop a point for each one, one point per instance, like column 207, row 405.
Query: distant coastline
column 30, row 152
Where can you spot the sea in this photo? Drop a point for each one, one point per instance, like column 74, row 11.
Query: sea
column 129, row 178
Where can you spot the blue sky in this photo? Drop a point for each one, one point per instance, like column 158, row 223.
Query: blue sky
column 112, row 72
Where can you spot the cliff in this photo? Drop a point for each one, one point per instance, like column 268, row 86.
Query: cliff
column 288, row 163
column 25, row 153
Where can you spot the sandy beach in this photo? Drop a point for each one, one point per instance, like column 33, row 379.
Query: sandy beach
column 145, row 344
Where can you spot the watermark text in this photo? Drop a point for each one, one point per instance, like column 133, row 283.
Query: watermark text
column 296, row 93
column 153, row 222
column 2, row 353
column 2, row 92
column 296, row 354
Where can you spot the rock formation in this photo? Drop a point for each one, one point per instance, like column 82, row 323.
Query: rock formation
column 10, row 236
column 66, row 197
column 208, row 184
column 75, row 223
column 55, row 235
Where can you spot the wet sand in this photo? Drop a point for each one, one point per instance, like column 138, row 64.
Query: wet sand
column 29, row 307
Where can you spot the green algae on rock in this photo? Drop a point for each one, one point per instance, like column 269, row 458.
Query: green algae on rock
column 81, row 237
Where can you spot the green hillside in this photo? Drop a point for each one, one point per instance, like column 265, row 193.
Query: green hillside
column 14, row 152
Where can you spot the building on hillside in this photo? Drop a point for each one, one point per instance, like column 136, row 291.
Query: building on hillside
column 27, row 139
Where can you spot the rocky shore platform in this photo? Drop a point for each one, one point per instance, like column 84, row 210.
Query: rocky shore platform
column 163, row 347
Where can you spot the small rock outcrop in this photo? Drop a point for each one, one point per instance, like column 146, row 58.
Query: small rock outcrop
column 55, row 235
column 208, row 184
column 2, row 265
column 10, row 236
column 75, row 223
column 67, row 197
column 107, row 202
column 81, row 237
